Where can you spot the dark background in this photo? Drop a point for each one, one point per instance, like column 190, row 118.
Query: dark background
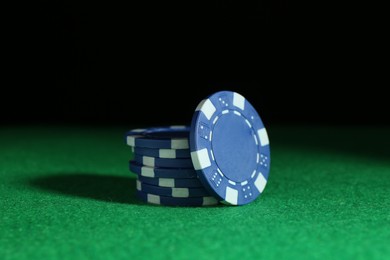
column 106, row 63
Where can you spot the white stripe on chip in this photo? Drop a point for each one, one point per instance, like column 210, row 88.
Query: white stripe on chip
column 238, row 101
column 208, row 109
column 180, row 192
column 167, row 153
column 231, row 196
column 200, row 159
column 166, row 182
column 130, row 140
column 146, row 160
column 179, row 143
column 153, row 199
column 263, row 136
column 260, row 182
column 147, row 172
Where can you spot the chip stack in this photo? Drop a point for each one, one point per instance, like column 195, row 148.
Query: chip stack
column 223, row 156
column 165, row 173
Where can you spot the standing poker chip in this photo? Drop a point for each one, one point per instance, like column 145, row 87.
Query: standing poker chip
column 230, row 148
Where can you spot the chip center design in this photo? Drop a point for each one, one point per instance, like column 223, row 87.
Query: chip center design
column 233, row 141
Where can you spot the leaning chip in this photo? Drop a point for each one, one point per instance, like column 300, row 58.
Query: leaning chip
column 230, row 148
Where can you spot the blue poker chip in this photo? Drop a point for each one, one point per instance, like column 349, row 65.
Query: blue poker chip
column 163, row 153
column 170, row 201
column 172, row 192
column 171, row 182
column 170, row 137
column 163, row 162
column 152, row 172
column 230, row 148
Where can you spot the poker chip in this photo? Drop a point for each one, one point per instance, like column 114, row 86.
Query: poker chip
column 161, row 172
column 171, row 201
column 171, row 182
column 170, row 137
column 230, row 148
column 162, row 153
column 223, row 156
column 163, row 162
column 172, row 192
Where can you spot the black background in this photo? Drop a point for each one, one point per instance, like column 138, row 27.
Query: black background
column 108, row 63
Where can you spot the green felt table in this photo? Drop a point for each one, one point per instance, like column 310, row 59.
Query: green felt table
column 66, row 192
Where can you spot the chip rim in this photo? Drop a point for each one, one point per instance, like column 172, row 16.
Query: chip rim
column 138, row 137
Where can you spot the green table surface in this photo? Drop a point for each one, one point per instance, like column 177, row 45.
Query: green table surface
column 67, row 193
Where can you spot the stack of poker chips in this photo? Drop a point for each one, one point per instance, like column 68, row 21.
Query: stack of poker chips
column 223, row 156
column 164, row 169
